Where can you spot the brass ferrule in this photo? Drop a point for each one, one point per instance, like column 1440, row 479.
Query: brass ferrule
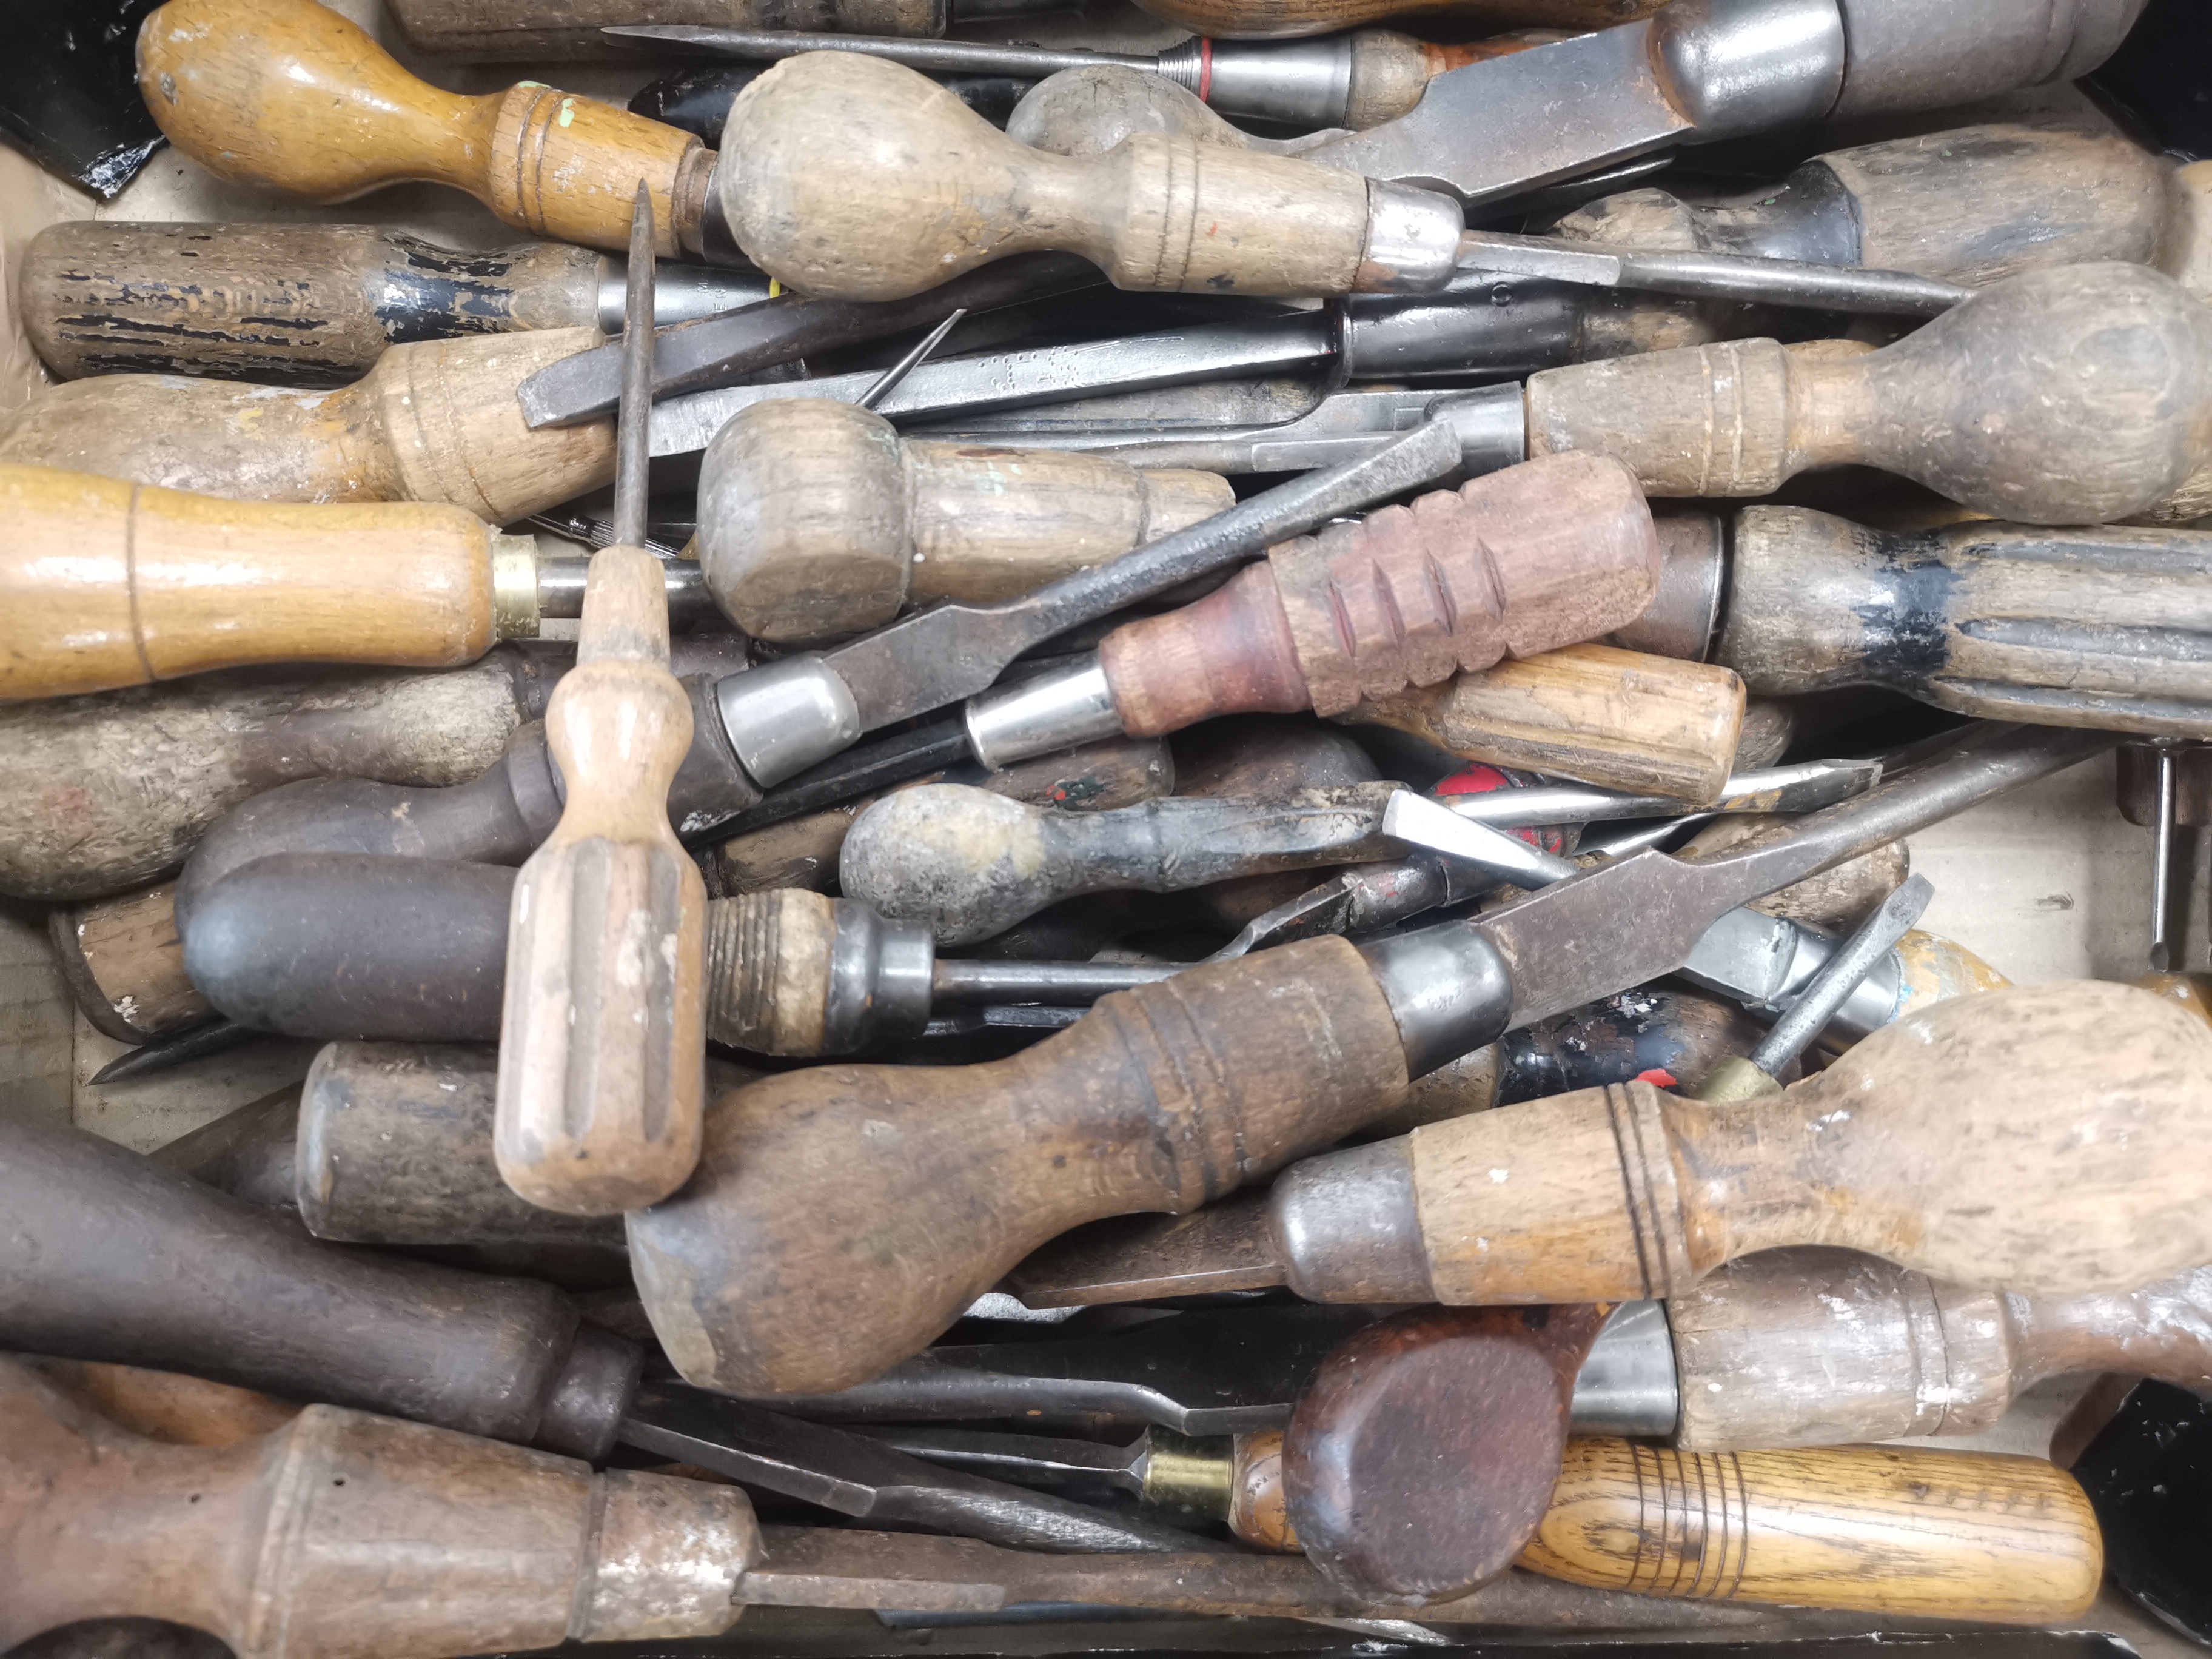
column 514, row 588
column 1734, row 1079
column 1190, row 1475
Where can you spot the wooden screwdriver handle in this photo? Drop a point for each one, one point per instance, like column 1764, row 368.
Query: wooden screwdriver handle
column 2078, row 394
column 436, row 421
column 1616, row 719
column 1540, row 555
column 106, row 584
column 2037, row 1138
column 920, row 188
column 291, row 94
column 1278, row 20
column 843, row 1216
column 768, row 970
column 341, row 1536
column 816, row 518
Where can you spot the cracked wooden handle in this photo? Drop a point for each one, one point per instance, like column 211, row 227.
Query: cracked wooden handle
column 290, row 94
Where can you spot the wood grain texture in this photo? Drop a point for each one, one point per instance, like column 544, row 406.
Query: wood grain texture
column 920, row 188
column 1881, row 1530
column 817, row 519
column 340, row 1535
column 842, row 1217
column 767, row 972
column 2078, row 394
column 165, row 1406
column 432, row 422
column 1088, row 111
column 125, row 965
column 2056, row 1164
column 531, row 30
column 290, row 94
column 1616, row 719
column 1273, row 20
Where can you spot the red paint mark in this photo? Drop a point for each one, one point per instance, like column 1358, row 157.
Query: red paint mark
column 1658, row 1076
column 1204, row 69
column 1488, row 780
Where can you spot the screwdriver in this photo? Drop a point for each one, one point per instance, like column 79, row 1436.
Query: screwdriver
column 1273, row 19
column 530, row 30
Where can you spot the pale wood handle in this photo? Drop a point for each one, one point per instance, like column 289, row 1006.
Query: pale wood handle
column 1617, row 719
column 290, row 94
column 340, row 1534
column 602, row 1072
column 1275, row 20
column 2185, row 250
column 1157, row 213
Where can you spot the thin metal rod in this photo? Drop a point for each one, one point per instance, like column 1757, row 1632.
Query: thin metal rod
column 1832, row 987
column 633, row 425
column 1075, row 983
column 943, row 56
column 887, row 382
column 2162, row 873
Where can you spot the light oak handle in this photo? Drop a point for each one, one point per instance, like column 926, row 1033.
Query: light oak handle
column 602, row 1076
column 2078, row 394
column 341, row 1535
column 849, row 222
column 534, row 30
column 843, row 1216
column 436, row 421
column 816, row 518
column 1276, row 19
column 1616, row 719
column 2037, row 1138
column 290, row 94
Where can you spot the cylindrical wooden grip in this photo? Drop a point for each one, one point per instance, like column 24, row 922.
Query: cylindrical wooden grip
column 290, row 94
column 920, row 188
column 1276, row 19
column 291, row 304
column 768, row 970
column 341, row 1535
column 125, row 965
column 1516, row 562
column 2078, row 394
column 2059, row 1162
column 817, row 519
column 1875, row 1529
column 432, row 421
column 1616, row 719
column 842, row 1217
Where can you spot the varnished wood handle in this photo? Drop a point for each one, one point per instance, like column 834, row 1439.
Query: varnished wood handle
column 842, row 1217
column 1275, row 20
column 602, row 1075
column 1158, row 213
column 816, row 518
column 1617, row 719
column 436, row 421
column 339, row 1533
column 291, row 94
column 2078, row 394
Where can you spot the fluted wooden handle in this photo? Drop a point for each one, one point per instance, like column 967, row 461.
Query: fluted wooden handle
column 1275, row 20
column 843, row 1216
column 2037, row 1138
column 919, row 188
column 534, row 30
column 768, row 970
column 1617, row 719
column 436, row 421
column 602, row 1047
column 290, row 94
column 2076, row 395
column 816, row 518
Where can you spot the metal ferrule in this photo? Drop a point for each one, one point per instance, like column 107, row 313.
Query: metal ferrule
column 879, row 978
column 1764, row 962
column 1738, row 67
column 1477, row 323
column 1492, row 425
column 1684, row 616
column 1190, row 1476
column 681, row 293
column 783, row 718
column 1047, row 713
column 1348, row 1226
column 1628, row 1384
column 514, row 612
column 1299, row 83
column 1413, row 241
column 1448, row 989
column 557, row 592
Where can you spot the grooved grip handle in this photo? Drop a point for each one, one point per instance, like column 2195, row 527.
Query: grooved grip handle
column 768, row 970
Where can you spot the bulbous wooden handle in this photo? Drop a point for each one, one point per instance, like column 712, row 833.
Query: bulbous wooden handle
column 920, row 188
column 1893, row 1530
column 1277, row 20
column 843, row 1216
column 2080, row 394
column 2058, row 1161
column 340, row 1533
column 290, row 94
column 817, row 519
column 1616, row 719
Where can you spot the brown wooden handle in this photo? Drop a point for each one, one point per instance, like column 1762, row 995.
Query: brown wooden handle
column 816, row 519
column 1157, row 213
column 126, row 964
column 1275, row 20
column 2036, row 1137
column 842, row 1217
column 290, row 94
column 340, row 1533
column 1940, row 1534
column 534, row 30
column 1617, row 719
column 2078, row 394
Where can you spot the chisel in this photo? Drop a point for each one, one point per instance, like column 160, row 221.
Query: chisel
column 528, row 30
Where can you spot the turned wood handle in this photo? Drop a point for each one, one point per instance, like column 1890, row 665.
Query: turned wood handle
column 1616, row 719
column 1276, row 19
column 343, row 1535
column 125, row 965
column 2037, row 1138
column 816, row 518
column 920, row 188
column 2078, row 394
column 290, row 94
column 532, row 30
column 1518, row 562
column 602, row 1043
column 432, row 421
column 768, row 970
column 843, row 1216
